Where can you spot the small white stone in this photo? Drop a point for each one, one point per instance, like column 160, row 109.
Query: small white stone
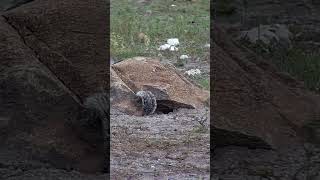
column 164, row 47
column 184, row 56
column 173, row 5
column 207, row 46
column 173, row 41
column 193, row 72
column 173, row 48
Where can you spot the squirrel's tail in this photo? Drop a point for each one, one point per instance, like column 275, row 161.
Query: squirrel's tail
column 149, row 102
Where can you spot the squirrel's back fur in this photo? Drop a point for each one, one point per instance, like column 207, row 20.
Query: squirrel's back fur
column 149, row 102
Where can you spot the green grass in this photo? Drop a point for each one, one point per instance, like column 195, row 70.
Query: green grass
column 158, row 20
column 202, row 81
column 304, row 66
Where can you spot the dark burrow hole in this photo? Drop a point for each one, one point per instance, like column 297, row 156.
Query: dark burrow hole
column 163, row 109
column 167, row 106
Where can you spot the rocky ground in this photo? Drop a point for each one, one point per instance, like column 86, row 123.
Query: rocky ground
column 160, row 146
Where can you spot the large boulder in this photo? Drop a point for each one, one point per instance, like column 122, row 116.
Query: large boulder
column 52, row 56
column 263, row 118
column 70, row 39
column 254, row 98
column 171, row 88
column 122, row 97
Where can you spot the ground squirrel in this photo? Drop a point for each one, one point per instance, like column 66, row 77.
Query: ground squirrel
column 149, row 102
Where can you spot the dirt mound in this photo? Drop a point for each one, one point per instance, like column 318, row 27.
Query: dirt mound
column 257, row 107
column 52, row 56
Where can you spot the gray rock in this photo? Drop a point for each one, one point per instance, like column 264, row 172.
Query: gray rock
column 276, row 33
